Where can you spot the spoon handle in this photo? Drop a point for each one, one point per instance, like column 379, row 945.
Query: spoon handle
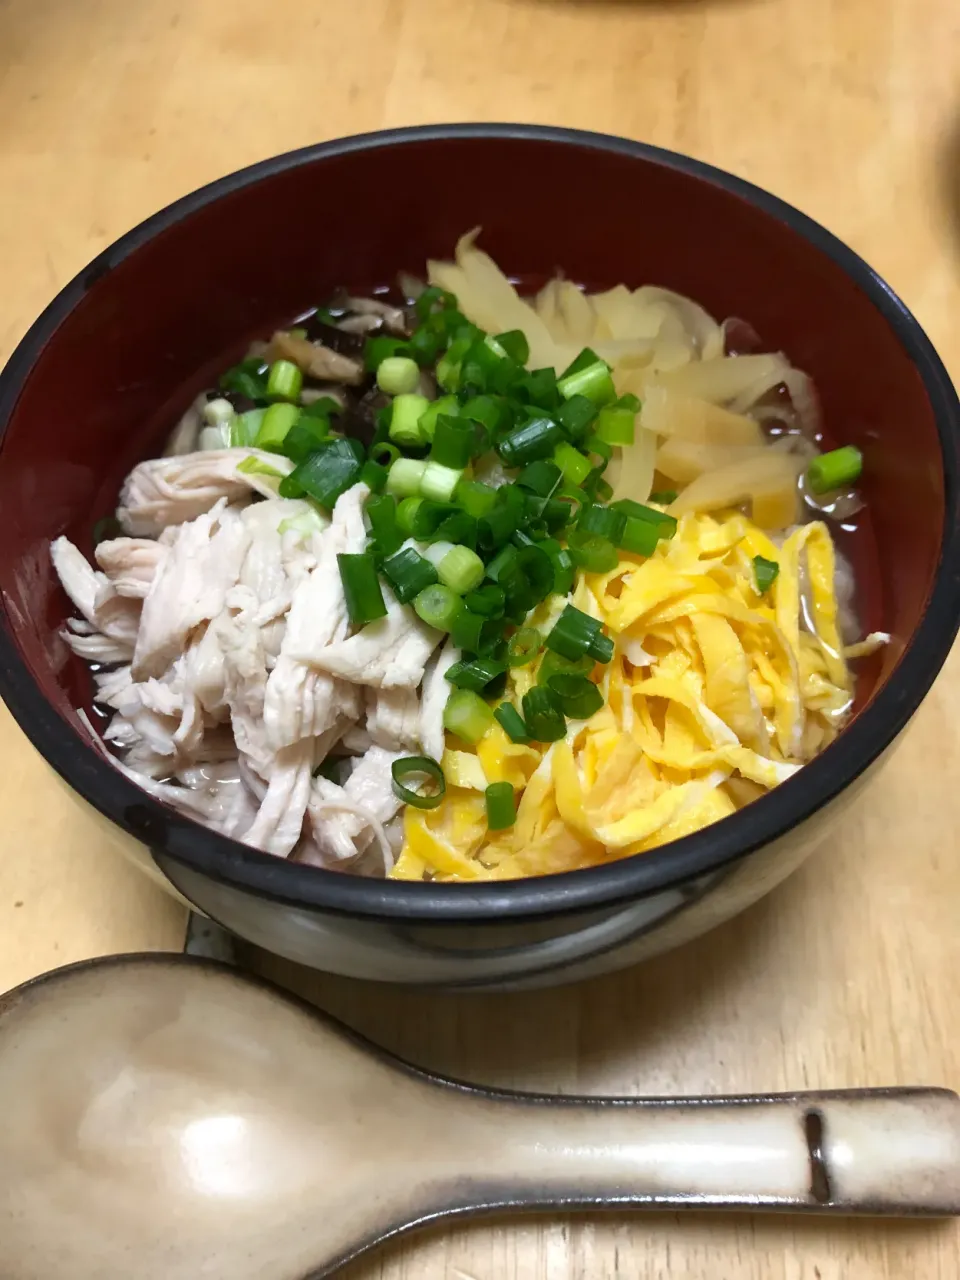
column 869, row 1151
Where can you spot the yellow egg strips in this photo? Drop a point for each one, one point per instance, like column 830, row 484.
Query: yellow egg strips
column 715, row 694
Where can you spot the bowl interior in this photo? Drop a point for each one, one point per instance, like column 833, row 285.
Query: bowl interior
column 147, row 326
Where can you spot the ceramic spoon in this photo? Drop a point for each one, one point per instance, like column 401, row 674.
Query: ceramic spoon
column 170, row 1119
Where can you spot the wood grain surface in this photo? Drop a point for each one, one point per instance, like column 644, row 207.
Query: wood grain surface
column 850, row 973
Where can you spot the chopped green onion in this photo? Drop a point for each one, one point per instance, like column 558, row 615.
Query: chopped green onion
column 551, row 664
column 461, row 570
column 446, row 405
column 765, row 572
column 384, row 452
column 361, row 588
column 431, row 299
column 439, row 482
column 373, row 476
column 491, row 412
column 666, row 524
column 541, row 477
column 245, row 427
column 246, row 379
column 425, row 344
column 466, row 631
column 572, row 463
column 437, row 606
column 306, row 436
column 594, row 383
column 424, row 767
column 405, row 428
column 535, row 439
column 503, row 566
column 600, row 449
column 488, row 600
column 639, row 536
column 616, row 423
column 543, row 715
column 540, row 388
column 326, row 474
column 556, row 513
column 837, row 469
column 453, row 441
column 284, row 380
column 426, row 519
column 664, row 496
column 275, row 425
column 405, row 477
column 252, row 466
column 409, row 573
column 467, row 715
column 575, row 634
column 564, row 571
column 398, row 375
column 217, row 413
column 458, row 527
column 537, row 570
column 575, row 416
column 381, row 348
column 603, row 521
column 322, row 407
column 592, row 553
column 496, row 527
column 501, row 806
column 511, row 721
column 476, row 499
column 515, row 345
column 382, row 514
column 523, row 646
column 407, row 513
column 475, row 675
column 578, row 697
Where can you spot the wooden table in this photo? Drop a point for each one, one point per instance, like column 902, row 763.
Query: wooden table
column 846, row 975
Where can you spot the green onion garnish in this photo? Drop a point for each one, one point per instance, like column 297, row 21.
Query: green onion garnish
column 541, row 478
column 487, row 600
column 552, row 664
column 384, row 452
column 511, row 721
column 576, row 634
column 564, row 570
column 409, row 573
column 765, row 572
column 475, row 675
column 381, row 348
column 326, row 474
column 603, row 521
column 467, row 715
column 373, row 476
column 460, row 569
column 476, row 499
column 591, row 552
column 361, row 588
column 665, row 523
column 382, row 514
column 503, row 566
column 246, row 379
column 572, row 463
column 275, row 425
column 579, row 697
column 245, row 427
column 594, row 383
column 437, row 606
column 535, row 439
column 543, row 715
column 407, row 513
column 446, row 406
column 398, row 375
column 466, row 631
column 433, row 298
column 424, row 767
column 492, row 412
column 523, row 646
column 515, row 345
column 639, row 536
column 284, row 381
column 405, row 477
column 439, row 482
column 575, row 416
column 405, row 428
column 501, row 806
column 453, row 441
column 837, row 469
column 616, row 423
column 458, row 527
column 664, row 496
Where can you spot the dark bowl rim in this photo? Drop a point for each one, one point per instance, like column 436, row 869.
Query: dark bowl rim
column 766, row 820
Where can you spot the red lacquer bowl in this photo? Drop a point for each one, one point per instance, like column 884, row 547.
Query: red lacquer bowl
column 103, row 374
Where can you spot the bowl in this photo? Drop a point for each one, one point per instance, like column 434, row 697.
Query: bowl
column 106, row 370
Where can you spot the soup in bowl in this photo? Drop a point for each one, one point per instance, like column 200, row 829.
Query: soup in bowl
column 474, row 608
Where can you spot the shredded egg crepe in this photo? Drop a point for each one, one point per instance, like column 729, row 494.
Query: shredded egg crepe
column 714, row 695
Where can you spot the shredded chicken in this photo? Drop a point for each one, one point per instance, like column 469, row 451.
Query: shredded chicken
column 340, row 816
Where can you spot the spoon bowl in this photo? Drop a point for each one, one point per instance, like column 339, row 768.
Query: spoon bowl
column 175, row 1119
